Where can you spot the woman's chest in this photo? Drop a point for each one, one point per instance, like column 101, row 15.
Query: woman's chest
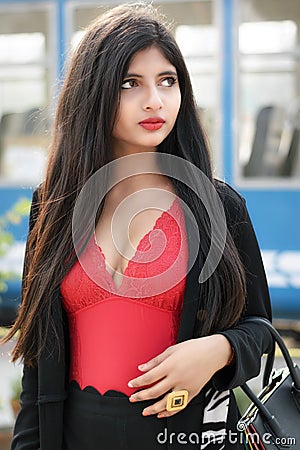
column 122, row 231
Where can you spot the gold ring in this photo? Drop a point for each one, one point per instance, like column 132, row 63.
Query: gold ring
column 177, row 400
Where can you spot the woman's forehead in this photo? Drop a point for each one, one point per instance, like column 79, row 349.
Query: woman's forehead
column 152, row 57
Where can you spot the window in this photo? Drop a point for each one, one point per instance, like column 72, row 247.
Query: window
column 269, row 90
column 25, row 95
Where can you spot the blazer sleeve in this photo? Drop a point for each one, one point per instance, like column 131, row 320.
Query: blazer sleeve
column 248, row 340
column 26, row 429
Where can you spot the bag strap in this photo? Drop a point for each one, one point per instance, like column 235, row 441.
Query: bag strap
column 269, row 418
column 269, row 365
column 277, row 338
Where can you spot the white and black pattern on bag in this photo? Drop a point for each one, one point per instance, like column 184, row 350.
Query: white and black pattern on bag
column 215, row 419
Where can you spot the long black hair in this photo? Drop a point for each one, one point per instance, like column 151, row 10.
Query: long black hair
column 81, row 144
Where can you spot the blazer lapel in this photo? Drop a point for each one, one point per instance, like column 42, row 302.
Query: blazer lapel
column 51, row 384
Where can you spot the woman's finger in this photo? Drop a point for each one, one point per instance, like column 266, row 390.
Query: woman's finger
column 153, row 375
column 155, row 361
column 156, row 408
column 154, row 391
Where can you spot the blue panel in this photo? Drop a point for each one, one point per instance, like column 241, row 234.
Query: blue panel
column 61, row 36
column 286, row 303
column 227, row 87
column 276, row 217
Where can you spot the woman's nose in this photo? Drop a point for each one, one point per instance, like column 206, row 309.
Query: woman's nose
column 153, row 100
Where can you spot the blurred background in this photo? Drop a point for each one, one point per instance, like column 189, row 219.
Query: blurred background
column 244, row 61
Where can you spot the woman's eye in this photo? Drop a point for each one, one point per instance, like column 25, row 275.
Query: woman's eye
column 168, row 82
column 128, row 84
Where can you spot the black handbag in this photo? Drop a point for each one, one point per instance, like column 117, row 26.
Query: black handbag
column 272, row 421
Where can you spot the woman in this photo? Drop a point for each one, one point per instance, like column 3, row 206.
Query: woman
column 92, row 311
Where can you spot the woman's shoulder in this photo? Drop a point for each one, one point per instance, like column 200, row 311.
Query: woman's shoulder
column 36, row 191
column 227, row 193
column 232, row 200
column 35, row 203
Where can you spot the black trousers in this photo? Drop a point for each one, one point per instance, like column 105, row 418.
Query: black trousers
column 110, row 422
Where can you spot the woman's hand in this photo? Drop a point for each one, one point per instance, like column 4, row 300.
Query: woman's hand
column 188, row 365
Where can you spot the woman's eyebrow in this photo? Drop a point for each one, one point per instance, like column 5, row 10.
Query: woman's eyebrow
column 167, row 72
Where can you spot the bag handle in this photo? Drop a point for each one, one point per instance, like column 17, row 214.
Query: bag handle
column 277, row 338
column 270, row 419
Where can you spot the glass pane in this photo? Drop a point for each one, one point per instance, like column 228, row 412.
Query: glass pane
column 269, row 89
column 267, row 37
column 197, row 40
column 21, row 88
column 268, row 63
column 22, row 48
column 24, row 91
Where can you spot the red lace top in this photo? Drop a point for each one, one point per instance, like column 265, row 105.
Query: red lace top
column 113, row 330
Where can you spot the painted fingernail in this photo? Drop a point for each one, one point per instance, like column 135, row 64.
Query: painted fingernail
column 160, row 415
column 146, row 413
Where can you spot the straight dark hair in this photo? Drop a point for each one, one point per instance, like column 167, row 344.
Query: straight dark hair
column 81, row 145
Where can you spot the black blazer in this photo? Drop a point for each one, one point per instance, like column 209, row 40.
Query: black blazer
column 39, row 424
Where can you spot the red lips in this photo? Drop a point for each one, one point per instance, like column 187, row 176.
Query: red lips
column 152, row 123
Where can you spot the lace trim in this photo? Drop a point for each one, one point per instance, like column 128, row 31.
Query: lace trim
column 79, row 290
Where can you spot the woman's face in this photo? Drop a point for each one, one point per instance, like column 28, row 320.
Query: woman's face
column 149, row 103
